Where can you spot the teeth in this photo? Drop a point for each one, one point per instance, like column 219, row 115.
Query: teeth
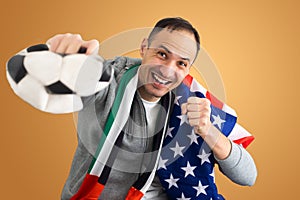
column 158, row 79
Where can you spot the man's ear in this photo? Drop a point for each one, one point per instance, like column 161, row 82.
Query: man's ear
column 143, row 47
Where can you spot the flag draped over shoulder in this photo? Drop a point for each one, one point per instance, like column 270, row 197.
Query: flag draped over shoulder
column 186, row 165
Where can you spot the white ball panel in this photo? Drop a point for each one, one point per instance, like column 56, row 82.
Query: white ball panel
column 45, row 66
column 66, row 103
column 12, row 83
column 33, row 92
column 103, row 84
column 71, row 67
column 100, row 86
column 84, row 79
column 88, row 78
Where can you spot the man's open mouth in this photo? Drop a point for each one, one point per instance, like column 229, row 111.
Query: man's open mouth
column 160, row 80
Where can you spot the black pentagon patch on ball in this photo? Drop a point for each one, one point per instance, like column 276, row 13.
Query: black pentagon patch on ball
column 16, row 69
column 38, row 47
column 58, row 88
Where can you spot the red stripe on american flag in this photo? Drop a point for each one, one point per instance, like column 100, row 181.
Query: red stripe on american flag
column 245, row 141
column 90, row 189
column 134, row 194
column 214, row 101
column 188, row 80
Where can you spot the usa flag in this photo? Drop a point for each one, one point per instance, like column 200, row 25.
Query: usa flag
column 186, row 165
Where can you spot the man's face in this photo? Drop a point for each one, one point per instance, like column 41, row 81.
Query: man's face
column 165, row 62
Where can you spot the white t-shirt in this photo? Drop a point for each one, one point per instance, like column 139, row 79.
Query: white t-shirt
column 152, row 111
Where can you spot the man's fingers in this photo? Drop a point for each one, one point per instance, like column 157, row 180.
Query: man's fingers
column 195, row 104
column 200, row 123
column 198, row 116
column 193, row 115
column 194, row 100
column 203, row 124
column 71, row 43
column 183, row 108
column 73, row 47
column 92, row 46
column 193, row 107
column 54, row 42
column 198, row 105
column 197, row 100
column 198, row 113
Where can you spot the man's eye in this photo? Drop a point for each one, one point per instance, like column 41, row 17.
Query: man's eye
column 182, row 64
column 162, row 54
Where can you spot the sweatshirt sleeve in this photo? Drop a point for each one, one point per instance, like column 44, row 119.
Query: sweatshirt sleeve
column 239, row 166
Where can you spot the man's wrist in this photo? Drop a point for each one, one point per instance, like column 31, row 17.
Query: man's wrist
column 218, row 143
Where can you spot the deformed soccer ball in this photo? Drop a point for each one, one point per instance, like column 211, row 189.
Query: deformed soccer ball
column 54, row 82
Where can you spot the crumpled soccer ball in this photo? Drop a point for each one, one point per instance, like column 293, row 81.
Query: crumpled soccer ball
column 54, row 82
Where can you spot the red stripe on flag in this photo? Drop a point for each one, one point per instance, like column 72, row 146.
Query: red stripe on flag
column 188, row 80
column 214, row 101
column 90, row 189
column 245, row 141
column 134, row 194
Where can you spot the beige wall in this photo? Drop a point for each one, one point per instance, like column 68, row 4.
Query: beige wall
column 255, row 45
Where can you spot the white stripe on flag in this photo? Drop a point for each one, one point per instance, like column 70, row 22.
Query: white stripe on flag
column 238, row 132
column 197, row 87
column 229, row 110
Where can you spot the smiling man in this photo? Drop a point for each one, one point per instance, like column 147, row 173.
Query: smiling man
column 121, row 128
column 166, row 59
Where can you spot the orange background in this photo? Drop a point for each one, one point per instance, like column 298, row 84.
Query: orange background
column 255, row 45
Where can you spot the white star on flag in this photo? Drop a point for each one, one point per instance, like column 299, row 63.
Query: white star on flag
column 162, row 163
column 204, row 157
column 172, row 181
column 169, row 131
column 183, row 197
column 176, row 100
column 200, row 188
column 188, row 169
column 218, row 121
column 183, row 118
column 177, row 150
column 193, row 137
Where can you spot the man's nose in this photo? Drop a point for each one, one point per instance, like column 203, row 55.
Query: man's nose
column 169, row 69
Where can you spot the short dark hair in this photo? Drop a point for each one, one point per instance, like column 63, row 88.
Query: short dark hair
column 175, row 23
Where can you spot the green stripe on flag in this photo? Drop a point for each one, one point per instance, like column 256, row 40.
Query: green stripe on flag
column 126, row 78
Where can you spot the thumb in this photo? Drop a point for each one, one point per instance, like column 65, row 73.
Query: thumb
column 183, row 108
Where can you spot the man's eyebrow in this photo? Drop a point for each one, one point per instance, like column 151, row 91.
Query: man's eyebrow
column 166, row 49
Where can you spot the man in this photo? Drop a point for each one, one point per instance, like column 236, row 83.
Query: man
column 128, row 167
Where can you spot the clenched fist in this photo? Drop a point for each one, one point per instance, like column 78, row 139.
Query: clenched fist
column 71, row 43
column 198, row 112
